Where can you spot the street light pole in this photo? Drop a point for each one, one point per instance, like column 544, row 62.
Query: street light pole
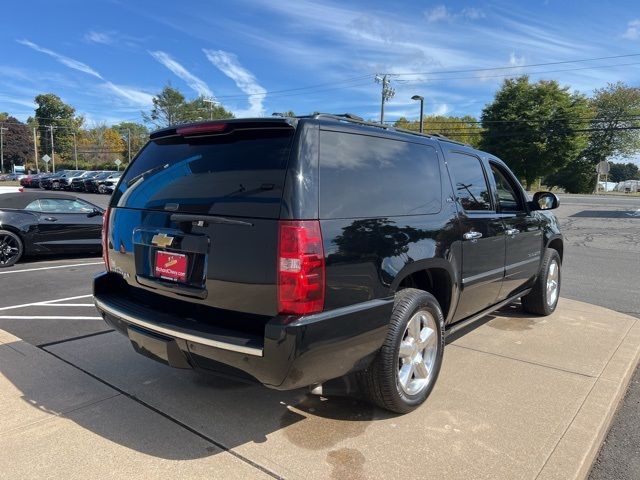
column 129, row 143
column 418, row 97
column 2, row 129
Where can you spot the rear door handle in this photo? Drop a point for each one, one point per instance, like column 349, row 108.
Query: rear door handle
column 512, row 231
column 472, row 235
column 51, row 219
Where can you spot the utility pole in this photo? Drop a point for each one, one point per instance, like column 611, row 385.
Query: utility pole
column 75, row 149
column 53, row 156
column 35, row 149
column 387, row 93
column 2, row 129
column 211, row 103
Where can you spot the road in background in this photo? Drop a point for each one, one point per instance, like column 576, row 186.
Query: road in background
column 602, row 267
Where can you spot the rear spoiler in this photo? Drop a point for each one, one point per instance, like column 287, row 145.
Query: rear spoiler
column 223, row 126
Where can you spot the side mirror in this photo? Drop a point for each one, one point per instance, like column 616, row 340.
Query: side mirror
column 95, row 213
column 545, row 201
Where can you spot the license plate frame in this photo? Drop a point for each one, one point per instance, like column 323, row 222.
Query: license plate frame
column 170, row 266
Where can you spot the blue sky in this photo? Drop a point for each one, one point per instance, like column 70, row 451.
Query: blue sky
column 107, row 58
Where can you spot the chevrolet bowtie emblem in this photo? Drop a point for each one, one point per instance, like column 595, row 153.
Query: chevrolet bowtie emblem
column 162, row 240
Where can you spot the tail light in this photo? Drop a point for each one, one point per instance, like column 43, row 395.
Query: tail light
column 105, row 238
column 301, row 270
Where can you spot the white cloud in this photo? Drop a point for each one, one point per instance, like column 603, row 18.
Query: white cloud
column 442, row 13
column 437, row 13
column 99, row 37
column 68, row 62
column 228, row 64
column 633, row 30
column 472, row 13
column 129, row 94
column 197, row 84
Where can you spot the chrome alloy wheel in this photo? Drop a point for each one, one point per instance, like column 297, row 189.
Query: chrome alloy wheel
column 9, row 249
column 418, row 352
column 553, row 283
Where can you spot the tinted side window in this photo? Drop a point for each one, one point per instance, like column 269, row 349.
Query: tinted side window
column 508, row 198
column 362, row 176
column 469, row 181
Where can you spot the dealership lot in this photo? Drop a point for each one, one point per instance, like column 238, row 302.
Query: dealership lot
column 519, row 397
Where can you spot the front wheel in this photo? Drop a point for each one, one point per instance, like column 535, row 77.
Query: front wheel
column 11, row 248
column 543, row 298
column 405, row 369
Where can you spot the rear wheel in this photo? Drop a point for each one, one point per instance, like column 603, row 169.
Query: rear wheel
column 11, row 248
column 543, row 298
column 102, row 189
column 405, row 370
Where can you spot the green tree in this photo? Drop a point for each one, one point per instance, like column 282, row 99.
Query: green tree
column 536, row 128
column 17, row 142
column 624, row 171
column 615, row 124
column 135, row 133
column 613, row 131
column 170, row 107
column 462, row 129
column 578, row 176
column 52, row 111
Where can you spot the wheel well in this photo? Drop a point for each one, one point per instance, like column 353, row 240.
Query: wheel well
column 557, row 245
column 436, row 281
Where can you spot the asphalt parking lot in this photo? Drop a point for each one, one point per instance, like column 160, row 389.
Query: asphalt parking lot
column 256, row 432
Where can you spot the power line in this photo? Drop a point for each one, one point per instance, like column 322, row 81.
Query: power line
column 544, row 72
column 545, row 64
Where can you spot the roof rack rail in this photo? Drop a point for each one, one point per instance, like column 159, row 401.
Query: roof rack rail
column 351, row 118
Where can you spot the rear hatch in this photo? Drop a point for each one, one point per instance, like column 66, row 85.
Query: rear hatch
column 195, row 216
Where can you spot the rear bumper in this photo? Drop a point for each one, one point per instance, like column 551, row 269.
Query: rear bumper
column 293, row 352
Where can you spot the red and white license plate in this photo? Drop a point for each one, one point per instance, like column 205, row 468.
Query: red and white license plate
column 171, row 266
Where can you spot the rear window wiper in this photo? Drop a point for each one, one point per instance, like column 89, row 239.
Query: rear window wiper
column 147, row 172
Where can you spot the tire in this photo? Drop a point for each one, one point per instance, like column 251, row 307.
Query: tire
column 11, row 248
column 55, row 185
column 381, row 382
column 102, row 189
column 543, row 298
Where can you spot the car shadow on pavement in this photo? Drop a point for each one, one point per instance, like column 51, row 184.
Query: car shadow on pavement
column 142, row 410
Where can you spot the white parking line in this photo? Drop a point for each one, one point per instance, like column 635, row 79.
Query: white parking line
column 69, row 305
column 46, row 302
column 51, row 268
column 46, row 317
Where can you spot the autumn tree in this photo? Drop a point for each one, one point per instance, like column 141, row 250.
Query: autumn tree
column 101, row 144
column 536, row 128
column 134, row 135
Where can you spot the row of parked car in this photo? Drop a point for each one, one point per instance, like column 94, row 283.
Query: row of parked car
column 96, row 181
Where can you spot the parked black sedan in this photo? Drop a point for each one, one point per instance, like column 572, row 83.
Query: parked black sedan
column 33, row 223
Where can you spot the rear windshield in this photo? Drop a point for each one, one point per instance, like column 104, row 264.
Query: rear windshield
column 239, row 174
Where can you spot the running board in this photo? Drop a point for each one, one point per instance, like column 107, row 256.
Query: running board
column 465, row 323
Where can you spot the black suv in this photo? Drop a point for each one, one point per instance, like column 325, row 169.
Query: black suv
column 298, row 251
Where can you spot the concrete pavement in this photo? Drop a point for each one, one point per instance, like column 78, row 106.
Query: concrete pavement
column 518, row 397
